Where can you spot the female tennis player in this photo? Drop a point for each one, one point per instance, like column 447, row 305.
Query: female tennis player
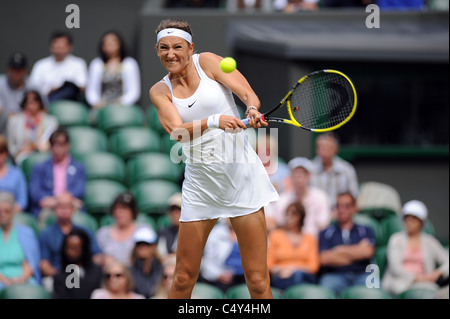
column 196, row 98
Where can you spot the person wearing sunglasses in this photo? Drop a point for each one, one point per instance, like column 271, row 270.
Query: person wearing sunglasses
column 117, row 283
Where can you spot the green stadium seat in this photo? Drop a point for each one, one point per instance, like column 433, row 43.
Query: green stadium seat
column 100, row 194
column 141, row 219
column 147, row 166
column 163, row 221
column 153, row 120
column 381, row 258
column 114, row 117
column 152, row 195
column 309, row 291
column 86, row 140
column 27, row 219
column 27, row 164
column 417, row 293
column 206, row 291
column 131, row 141
column 24, row 291
column 104, row 165
column 378, row 200
column 241, row 292
column 367, row 220
column 362, row 292
column 70, row 113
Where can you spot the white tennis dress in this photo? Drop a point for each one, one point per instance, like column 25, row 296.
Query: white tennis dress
column 224, row 177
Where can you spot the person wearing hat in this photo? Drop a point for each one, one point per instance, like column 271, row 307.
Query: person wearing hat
column 314, row 200
column 415, row 258
column 146, row 267
column 13, row 86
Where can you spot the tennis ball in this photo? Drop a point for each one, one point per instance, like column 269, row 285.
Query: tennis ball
column 228, row 65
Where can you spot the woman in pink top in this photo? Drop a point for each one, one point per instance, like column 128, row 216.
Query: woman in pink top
column 293, row 256
column 413, row 255
column 117, row 283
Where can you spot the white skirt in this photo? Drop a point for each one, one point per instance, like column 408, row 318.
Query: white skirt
column 224, row 178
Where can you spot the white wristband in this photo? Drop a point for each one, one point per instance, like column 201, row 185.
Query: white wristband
column 213, row 121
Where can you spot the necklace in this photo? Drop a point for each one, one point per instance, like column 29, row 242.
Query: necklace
column 185, row 76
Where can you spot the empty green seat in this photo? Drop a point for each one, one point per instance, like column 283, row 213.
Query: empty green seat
column 206, row 291
column 417, row 293
column 100, row 195
column 367, row 220
column 363, row 292
column 309, row 291
column 70, row 113
column 147, row 166
column 131, row 141
column 241, row 292
column 114, row 117
column 24, row 291
column 152, row 195
column 86, row 140
column 104, row 165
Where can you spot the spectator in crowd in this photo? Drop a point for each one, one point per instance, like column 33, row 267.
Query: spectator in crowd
column 404, row 5
column 60, row 75
column 277, row 169
column 146, row 267
column 168, row 236
column 13, row 86
column 113, row 76
column 333, row 174
column 117, row 283
column 29, row 131
column 116, row 240
column 345, row 248
column 293, row 256
column 77, row 267
column 12, row 178
column 167, row 277
column 51, row 238
column 346, row 3
column 415, row 258
column 314, row 200
column 290, row 6
column 192, row 3
column 53, row 177
column 221, row 263
column 19, row 248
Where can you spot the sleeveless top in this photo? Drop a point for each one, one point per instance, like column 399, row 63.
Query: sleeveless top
column 224, row 177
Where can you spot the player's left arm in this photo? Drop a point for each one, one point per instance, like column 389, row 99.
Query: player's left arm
column 235, row 81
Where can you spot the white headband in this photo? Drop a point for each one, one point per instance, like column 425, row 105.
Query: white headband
column 174, row 32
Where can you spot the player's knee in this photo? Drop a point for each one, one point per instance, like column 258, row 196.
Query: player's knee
column 258, row 282
column 184, row 279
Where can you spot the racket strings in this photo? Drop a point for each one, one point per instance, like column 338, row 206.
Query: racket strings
column 322, row 101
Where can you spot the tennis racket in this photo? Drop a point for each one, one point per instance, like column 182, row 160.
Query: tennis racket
column 319, row 102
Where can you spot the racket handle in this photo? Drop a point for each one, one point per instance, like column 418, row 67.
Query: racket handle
column 246, row 120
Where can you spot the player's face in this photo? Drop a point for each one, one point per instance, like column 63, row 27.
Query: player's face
column 174, row 53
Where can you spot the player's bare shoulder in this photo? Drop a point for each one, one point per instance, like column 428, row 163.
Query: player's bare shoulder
column 158, row 92
column 210, row 62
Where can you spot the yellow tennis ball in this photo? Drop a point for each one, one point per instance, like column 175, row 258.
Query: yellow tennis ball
column 228, row 65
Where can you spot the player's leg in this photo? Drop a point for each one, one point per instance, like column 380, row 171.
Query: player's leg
column 251, row 231
column 191, row 241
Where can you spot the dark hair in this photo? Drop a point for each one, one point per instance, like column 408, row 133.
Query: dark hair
column 37, row 97
column 122, row 51
column 61, row 34
column 60, row 131
column 349, row 194
column 300, row 209
column 86, row 255
column 174, row 23
column 125, row 199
